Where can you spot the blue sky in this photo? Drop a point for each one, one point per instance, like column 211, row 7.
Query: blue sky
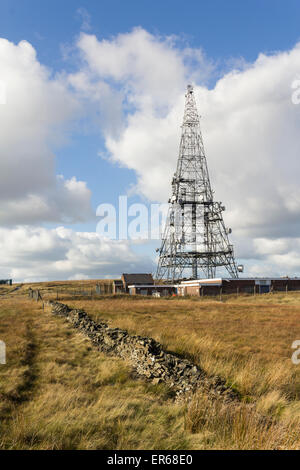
column 222, row 28
column 230, row 35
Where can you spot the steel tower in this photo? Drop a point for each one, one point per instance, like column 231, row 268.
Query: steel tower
column 195, row 238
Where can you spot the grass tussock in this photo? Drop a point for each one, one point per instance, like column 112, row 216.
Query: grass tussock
column 238, row 427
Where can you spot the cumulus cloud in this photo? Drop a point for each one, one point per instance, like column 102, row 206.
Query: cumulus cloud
column 34, row 120
column 136, row 72
column 40, row 254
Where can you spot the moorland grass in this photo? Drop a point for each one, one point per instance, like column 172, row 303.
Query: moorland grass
column 57, row 392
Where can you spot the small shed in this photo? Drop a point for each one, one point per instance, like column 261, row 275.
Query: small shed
column 136, row 279
column 8, row 282
column 198, row 286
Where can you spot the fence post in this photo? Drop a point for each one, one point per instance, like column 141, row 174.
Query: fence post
column 221, row 290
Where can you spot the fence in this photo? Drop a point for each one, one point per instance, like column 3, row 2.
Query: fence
column 99, row 289
column 35, row 294
column 104, row 288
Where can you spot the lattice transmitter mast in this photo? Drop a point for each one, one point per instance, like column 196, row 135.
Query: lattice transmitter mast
column 195, row 237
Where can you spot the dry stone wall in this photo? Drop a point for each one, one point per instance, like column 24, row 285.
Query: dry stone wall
column 146, row 356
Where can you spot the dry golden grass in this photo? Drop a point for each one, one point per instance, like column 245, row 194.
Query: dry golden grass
column 59, row 393
column 238, row 427
column 66, row 395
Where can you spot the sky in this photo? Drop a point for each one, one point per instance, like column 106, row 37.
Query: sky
column 94, row 97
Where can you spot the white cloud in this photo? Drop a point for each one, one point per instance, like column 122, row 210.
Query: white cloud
column 39, row 254
column 34, row 120
column 137, row 71
column 145, row 62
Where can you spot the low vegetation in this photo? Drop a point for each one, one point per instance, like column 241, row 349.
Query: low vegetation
column 57, row 392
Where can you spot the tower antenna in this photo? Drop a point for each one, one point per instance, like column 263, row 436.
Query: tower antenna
column 195, row 238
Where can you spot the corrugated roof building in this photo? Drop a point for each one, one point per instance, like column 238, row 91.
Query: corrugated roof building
column 136, row 279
